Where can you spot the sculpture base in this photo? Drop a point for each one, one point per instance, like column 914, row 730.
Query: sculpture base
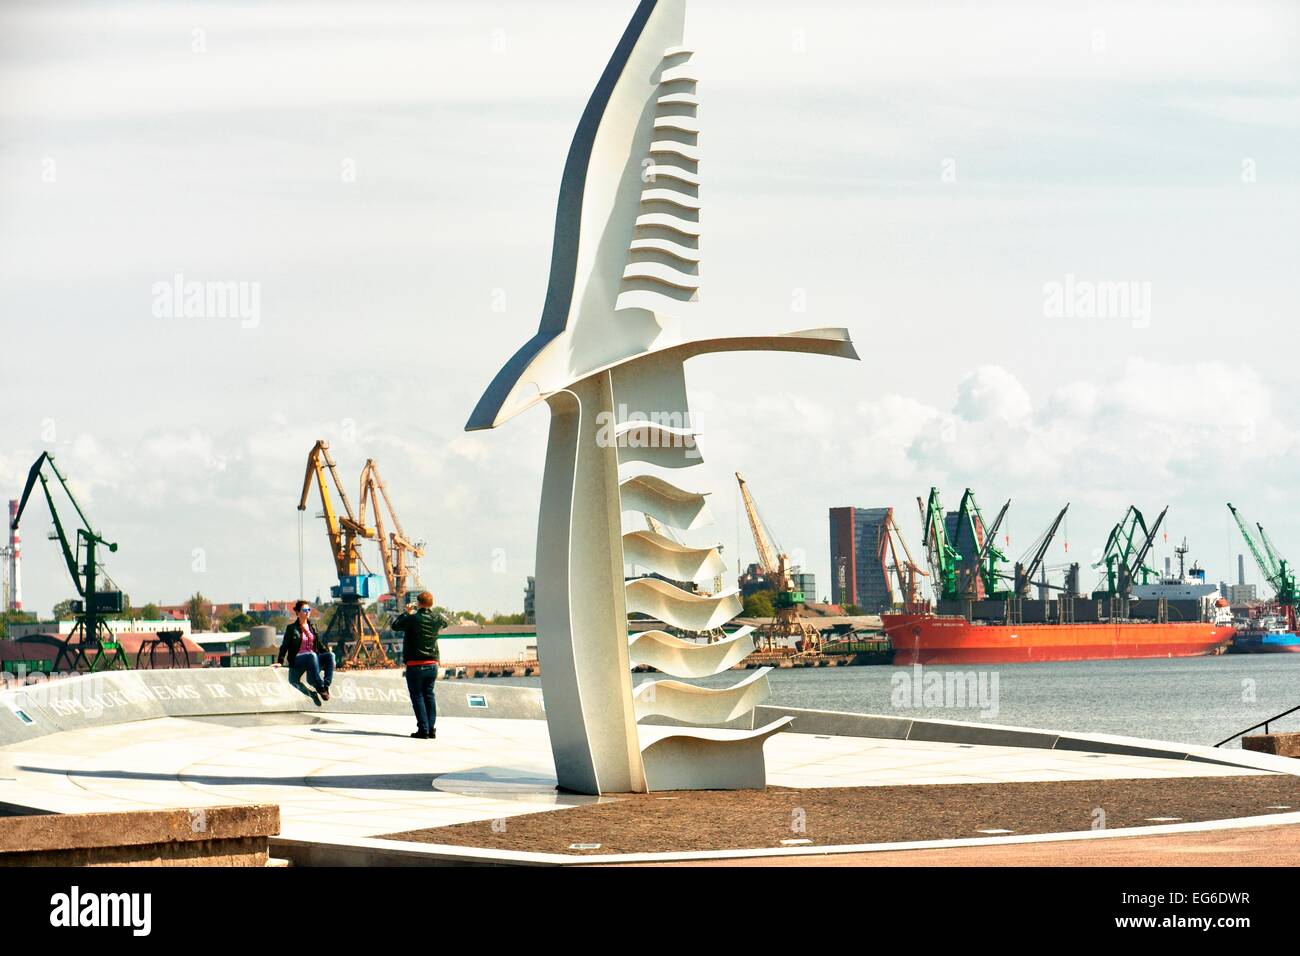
column 704, row 758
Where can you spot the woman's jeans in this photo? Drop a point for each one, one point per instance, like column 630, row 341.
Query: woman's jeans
column 319, row 669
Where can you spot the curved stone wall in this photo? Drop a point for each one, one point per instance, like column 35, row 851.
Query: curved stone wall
column 115, row 697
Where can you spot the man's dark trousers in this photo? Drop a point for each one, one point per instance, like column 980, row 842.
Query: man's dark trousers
column 419, row 682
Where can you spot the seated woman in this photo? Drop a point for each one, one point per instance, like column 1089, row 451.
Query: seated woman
column 306, row 653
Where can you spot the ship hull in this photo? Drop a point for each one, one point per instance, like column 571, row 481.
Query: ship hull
column 1270, row 644
column 935, row 639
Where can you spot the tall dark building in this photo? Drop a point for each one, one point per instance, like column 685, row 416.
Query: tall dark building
column 968, row 547
column 858, row 558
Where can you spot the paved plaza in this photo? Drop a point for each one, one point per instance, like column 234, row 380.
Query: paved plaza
column 340, row 776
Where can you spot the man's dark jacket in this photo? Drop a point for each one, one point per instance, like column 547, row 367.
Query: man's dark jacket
column 421, row 632
column 292, row 643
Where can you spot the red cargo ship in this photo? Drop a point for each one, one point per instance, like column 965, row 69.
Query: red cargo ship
column 939, row 639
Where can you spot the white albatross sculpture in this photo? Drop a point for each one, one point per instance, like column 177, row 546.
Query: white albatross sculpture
column 608, row 360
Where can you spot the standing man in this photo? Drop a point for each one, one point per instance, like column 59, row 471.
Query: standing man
column 306, row 653
column 420, row 626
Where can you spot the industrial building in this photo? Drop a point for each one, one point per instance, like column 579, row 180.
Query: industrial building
column 968, row 546
column 858, row 546
column 1239, row 594
column 115, row 625
column 754, row 579
column 465, row 643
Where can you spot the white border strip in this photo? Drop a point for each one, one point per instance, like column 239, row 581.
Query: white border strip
column 440, row 852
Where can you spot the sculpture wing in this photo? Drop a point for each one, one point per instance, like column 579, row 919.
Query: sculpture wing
column 627, row 225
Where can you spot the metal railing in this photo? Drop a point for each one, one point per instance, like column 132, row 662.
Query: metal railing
column 1262, row 723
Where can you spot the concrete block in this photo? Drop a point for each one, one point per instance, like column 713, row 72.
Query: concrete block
column 206, row 836
column 115, row 697
column 1283, row 745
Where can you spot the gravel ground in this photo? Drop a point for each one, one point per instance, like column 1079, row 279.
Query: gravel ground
column 742, row 819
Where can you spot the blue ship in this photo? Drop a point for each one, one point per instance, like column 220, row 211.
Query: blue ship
column 1265, row 635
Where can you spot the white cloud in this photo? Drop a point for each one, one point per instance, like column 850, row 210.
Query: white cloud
column 992, row 394
column 1148, row 433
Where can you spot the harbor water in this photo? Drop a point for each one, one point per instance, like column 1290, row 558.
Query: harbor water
column 1196, row 700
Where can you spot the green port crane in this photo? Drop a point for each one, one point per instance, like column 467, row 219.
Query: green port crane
column 1277, row 572
column 1126, row 550
column 942, row 556
column 1139, row 565
column 90, row 632
column 1279, row 564
column 1283, row 580
column 987, row 555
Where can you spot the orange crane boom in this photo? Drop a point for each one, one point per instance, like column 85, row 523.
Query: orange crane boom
column 342, row 530
column 787, row 603
column 350, row 628
column 904, row 567
column 394, row 546
column 769, row 560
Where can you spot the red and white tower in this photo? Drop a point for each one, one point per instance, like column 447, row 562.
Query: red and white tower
column 15, row 560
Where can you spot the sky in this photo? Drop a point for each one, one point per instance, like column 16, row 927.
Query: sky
column 936, row 177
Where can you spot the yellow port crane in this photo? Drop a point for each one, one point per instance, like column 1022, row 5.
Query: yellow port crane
column 350, row 629
column 342, row 530
column 787, row 601
column 394, row 546
column 901, row 567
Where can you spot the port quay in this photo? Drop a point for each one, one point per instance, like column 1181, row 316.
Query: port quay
column 647, row 435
